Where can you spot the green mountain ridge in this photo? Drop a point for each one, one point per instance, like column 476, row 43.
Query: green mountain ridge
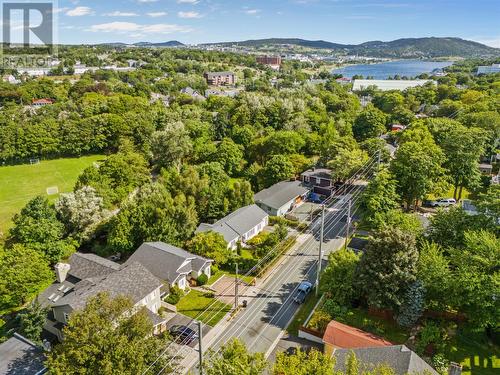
column 401, row 48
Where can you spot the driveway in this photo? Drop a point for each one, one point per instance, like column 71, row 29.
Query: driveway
column 184, row 320
column 289, row 344
column 225, row 288
column 303, row 211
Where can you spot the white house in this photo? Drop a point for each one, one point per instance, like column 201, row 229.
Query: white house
column 171, row 264
column 282, row 197
column 389, row 84
column 86, row 275
column 239, row 226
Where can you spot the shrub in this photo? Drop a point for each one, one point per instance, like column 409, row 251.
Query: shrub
column 440, row 363
column 214, row 269
column 174, row 295
column 202, row 279
column 431, row 334
column 319, row 320
column 413, row 304
column 335, row 311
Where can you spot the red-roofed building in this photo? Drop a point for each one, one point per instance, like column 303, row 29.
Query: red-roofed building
column 343, row 80
column 397, row 127
column 41, row 102
column 342, row 336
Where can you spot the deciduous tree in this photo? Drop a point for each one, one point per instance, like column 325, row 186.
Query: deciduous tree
column 338, row 279
column 210, row 245
column 388, row 268
column 25, row 272
column 104, row 338
column 303, row 363
column 234, row 359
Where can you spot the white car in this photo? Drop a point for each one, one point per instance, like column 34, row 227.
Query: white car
column 444, row 202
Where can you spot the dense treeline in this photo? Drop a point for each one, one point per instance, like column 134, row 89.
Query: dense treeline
column 171, row 167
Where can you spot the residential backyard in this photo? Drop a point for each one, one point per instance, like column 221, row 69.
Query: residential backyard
column 472, row 349
column 20, row 183
column 196, row 302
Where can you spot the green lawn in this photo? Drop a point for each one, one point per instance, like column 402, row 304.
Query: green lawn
column 193, row 303
column 473, row 351
column 448, row 194
column 303, row 313
column 20, row 183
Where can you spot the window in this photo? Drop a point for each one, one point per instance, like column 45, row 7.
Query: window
column 66, row 317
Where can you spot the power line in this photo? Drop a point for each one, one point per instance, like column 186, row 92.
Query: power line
column 365, row 166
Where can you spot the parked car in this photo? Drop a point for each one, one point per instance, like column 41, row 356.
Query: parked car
column 183, row 334
column 443, row 202
column 304, row 289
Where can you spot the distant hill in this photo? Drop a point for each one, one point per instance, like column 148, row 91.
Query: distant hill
column 401, row 48
column 170, row 43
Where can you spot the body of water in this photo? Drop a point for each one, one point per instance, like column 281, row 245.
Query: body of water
column 408, row 68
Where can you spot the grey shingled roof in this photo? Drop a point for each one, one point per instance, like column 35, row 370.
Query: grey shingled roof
column 132, row 280
column 318, row 173
column 281, row 193
column 399, row 357
column 165, row 261
column 237, row 223
column 19, row 356
column 84, row 266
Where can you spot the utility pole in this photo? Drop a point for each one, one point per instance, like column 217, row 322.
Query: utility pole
column 200, row 348
column 320, row 254
column 236, row 288
column 348, row 223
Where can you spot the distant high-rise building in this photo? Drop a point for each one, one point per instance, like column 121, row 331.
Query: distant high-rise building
column 272, row 61
column 269, row 60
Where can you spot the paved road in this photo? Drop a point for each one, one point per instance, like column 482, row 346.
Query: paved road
column 261, row 325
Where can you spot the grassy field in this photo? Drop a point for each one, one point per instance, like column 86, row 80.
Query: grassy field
column 195, row 302
column 20, row 183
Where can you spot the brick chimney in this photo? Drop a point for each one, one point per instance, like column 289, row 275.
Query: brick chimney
column 62, row 270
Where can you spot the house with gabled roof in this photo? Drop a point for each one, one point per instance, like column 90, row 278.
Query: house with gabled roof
column 171, row 264
column 282, row 197
column 86, row 275
column 239, row 226
column 398, row 357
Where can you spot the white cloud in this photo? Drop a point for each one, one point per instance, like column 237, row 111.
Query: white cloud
column 79, row 11
column 118, row 13
column 252, row 12
column 189, row 15
column 188, row 1
column 147, row 1
column 132, row 27
column 489, row 41
column 156, row 14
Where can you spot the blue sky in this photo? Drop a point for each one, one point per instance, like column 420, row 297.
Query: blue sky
column 343, row 21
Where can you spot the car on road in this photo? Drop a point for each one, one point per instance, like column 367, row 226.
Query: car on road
column 443, row 202
column 183, row 334
column 304, row 289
